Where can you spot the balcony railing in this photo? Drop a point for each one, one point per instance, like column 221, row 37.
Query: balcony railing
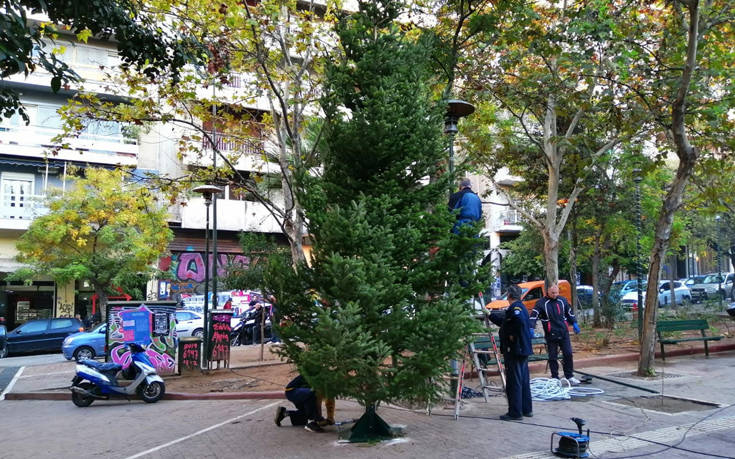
column 510, row 218
column 25, row 139
column 234, row 144
column 21, row 207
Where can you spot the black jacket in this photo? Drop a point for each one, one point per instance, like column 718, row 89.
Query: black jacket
column 556, row 316
column 515, row 330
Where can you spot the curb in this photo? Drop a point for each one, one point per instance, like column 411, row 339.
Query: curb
column 632, row 356
column 58, row 396
column 276, row 395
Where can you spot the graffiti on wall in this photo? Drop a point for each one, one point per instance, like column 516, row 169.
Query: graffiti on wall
column 160, row 348
column 188, row 270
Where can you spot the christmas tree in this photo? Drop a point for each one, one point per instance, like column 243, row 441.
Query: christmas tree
column 379, row 312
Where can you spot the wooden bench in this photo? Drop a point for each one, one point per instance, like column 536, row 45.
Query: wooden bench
column 667, row 326
column 482, row 343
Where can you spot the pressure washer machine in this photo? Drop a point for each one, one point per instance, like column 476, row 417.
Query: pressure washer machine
column 572, row 444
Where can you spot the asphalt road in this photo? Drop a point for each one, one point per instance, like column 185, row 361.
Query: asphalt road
column 32, row 360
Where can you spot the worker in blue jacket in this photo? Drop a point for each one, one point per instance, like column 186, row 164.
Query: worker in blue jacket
column 515, row 344
column 467, row 205
column 556, row 315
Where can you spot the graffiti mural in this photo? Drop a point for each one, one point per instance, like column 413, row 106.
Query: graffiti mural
column 160, row 344
column 188, row 270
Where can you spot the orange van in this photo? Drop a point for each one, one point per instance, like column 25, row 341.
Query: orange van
column 532, row 292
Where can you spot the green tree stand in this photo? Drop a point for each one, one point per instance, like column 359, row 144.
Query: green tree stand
column 370, row 428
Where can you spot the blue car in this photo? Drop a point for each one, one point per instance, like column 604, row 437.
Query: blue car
column 85, row 345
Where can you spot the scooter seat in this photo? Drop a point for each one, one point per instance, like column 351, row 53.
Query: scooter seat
column 102, row 366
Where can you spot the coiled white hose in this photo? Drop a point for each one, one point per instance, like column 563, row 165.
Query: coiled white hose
column 549, row 389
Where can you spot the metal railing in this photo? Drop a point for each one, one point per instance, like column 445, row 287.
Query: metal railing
column 510, row 217
column 230, row 143
column 21, row 207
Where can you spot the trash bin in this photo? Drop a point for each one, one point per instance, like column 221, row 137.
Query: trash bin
column 190, row 354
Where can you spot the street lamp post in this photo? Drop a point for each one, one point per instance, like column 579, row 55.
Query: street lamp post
column 206, row 191
column 719, row 263
column 456, row 109
column 637, row 179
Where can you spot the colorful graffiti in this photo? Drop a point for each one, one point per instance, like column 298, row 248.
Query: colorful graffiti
column 160, row 348
column 188, row 270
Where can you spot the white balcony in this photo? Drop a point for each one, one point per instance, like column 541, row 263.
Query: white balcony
column 232, row 215
column 17, row 211
column 245, row 154
column 508, row 221
column 35, row 141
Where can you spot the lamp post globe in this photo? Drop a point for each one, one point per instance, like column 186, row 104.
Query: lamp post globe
column 456, row 109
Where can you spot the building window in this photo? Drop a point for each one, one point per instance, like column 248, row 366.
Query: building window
column 16, row 196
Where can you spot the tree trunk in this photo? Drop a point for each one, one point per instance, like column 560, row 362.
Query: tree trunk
column 671, row 280
column 661, row 244
column 551, row 258
column 102, row 302
column 597, row 316
column 573, row 265
column 687, row 159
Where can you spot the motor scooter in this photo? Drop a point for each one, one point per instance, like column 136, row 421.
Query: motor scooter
column 99, row 381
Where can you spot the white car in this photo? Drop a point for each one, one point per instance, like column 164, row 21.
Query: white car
column 189, row 323
column 681, row 293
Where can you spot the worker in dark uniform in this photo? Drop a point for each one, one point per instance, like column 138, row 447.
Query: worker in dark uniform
column 556, row 315
column 515, row 344
column 304, row 398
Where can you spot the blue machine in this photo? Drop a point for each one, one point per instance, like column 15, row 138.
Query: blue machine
column 572, row 444
column 98, row 381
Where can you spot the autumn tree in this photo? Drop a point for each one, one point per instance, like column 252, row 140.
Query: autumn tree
column 547, row 105
column 101, row 230
column 680, row 57
column 27, row 44
column 254, row 106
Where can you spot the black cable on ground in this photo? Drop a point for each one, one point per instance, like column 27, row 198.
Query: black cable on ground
column 667, row 446
column 618, row 382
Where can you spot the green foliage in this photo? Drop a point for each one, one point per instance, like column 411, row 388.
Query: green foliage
column 373, row 312
column 102, row 230
column 525, row 259
column 260, row 250
column 141, row 42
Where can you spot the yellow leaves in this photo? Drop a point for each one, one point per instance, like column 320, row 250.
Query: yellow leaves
column 84, row 35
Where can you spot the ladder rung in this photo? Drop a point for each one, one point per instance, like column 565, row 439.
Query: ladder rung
column 483, row 352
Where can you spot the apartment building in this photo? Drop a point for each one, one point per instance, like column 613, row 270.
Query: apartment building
column 29, row 170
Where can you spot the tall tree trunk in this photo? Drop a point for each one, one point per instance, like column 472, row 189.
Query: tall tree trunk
column 102, row 301
column 596, row 255
column 572, row 234
column 551, row 258
column 671, row 280
column 662, row 235
column 687, row 159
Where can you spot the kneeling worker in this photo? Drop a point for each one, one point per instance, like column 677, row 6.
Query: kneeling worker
column 515, row 344
column 304, row 398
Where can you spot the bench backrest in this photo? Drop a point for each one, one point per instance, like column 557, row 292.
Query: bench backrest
column 681, row 325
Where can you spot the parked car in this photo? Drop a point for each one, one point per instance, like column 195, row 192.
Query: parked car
column 85, row 345
column 42, row 335
column 3, row 342
column 584, row 295
column 189, row 323
column 622, row 288
column 706, row 287
column 532, row 292
column 682, row 294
